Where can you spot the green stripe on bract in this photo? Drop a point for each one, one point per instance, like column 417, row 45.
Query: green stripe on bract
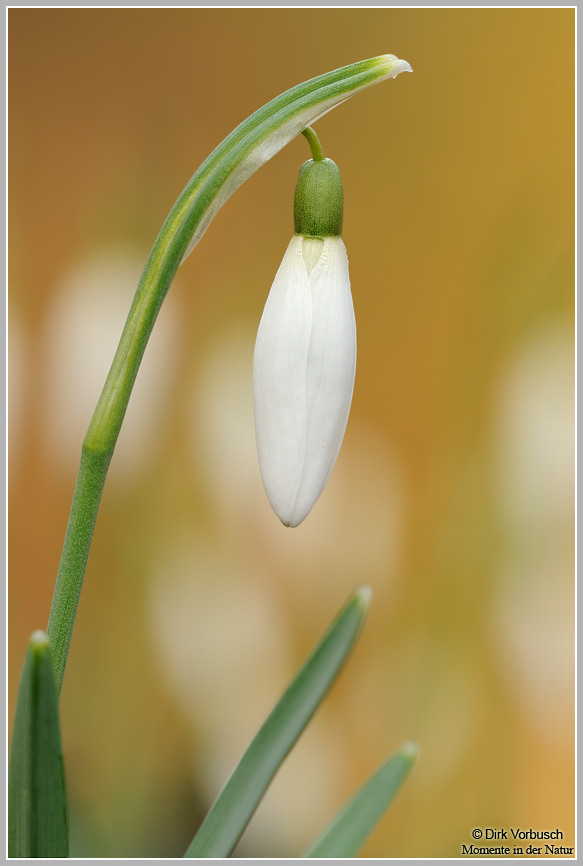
column 303, row 104
column 375, row 68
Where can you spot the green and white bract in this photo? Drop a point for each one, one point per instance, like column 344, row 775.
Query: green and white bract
column 303, row 374
column 264, row 134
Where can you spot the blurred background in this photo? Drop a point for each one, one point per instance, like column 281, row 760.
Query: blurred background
column 453, row 493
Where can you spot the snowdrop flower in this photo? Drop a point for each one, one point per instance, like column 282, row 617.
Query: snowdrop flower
column 305, row 355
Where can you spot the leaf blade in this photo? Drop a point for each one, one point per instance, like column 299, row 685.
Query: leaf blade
column 233, row 808
column 37, row 803
column 347, row 832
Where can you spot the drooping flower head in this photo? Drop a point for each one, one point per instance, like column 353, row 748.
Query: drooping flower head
column 305, row 354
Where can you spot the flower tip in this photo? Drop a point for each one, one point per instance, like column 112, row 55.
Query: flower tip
column 393, row 66
column 296, row 517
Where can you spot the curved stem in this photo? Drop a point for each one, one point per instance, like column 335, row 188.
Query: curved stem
column 314, row 142
column 248, row 147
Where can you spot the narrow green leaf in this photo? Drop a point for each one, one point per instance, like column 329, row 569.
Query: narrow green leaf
column 349, row 829
column 231, row 811
column 37, row 803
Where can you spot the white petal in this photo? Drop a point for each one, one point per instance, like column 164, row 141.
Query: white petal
column 330, row 372
column 279, row 381
column 303, row 376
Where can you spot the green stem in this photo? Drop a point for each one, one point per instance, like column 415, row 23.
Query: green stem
column 248, row 147
column 84, row 508
column 314, row 142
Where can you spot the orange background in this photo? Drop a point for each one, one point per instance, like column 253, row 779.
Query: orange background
column 453, row 493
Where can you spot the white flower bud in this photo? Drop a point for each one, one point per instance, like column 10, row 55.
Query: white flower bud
column 303, row 374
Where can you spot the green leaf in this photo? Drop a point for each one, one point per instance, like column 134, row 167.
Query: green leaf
column 37, row 802
column 349, row 829
column 230, row 814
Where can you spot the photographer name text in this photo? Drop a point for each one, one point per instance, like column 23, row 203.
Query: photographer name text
column 516, row 834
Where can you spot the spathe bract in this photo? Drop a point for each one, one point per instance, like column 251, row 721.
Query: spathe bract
column 266, row 131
